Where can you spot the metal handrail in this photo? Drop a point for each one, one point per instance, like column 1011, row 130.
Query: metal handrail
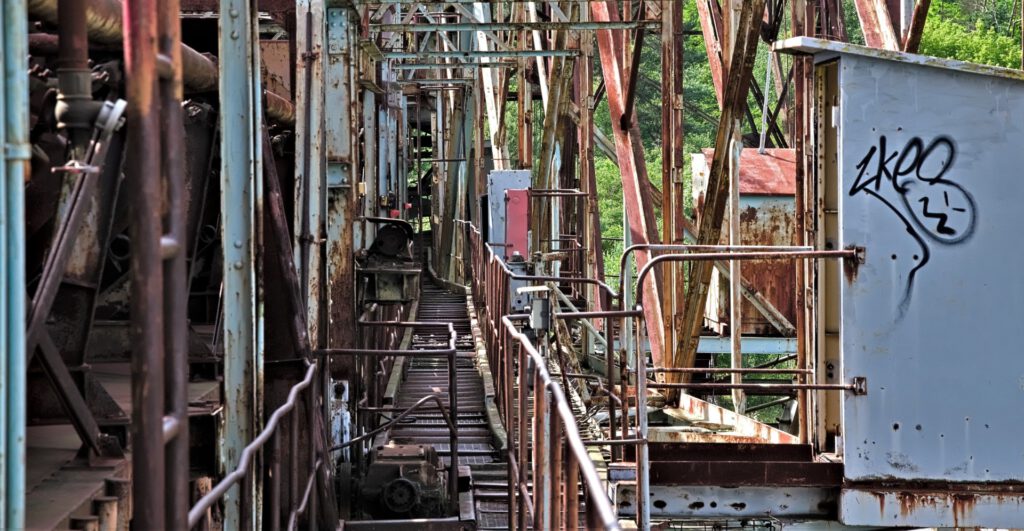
column 597, row 502
column 195, row 514
column 799, row 252
column 436, row 397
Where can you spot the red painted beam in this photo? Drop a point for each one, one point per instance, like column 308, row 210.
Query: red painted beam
column 642, row 224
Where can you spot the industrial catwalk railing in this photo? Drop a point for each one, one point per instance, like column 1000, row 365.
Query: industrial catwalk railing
column 558, row 456
column 300, row 505
column 519, row 362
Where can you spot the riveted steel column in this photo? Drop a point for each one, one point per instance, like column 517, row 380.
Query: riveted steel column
column 310, row 199
column 240, row 183
column 15, row 143
column 341, row 205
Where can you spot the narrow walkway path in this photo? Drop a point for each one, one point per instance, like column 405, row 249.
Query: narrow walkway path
column 430, row 375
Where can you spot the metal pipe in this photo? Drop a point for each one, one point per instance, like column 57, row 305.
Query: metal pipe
column 643, row 463
column 708, row 257
column 696, row 248
column 176, row 454
column 729, row 370
column 75, row 110
column 147, row 292
column 104, row 19
column 758, row 386
column 17, row 154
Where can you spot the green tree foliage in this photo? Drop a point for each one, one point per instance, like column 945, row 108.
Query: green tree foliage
column 976, row 42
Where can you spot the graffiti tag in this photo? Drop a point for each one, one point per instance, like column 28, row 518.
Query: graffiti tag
column 913, row 183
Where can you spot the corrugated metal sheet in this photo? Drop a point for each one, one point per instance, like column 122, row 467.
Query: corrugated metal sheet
column 767, row 217
column 773, row 173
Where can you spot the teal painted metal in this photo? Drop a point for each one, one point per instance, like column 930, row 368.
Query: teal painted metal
column 4, row 222
column 17, row 153
column 241, row 171
column 338, row 150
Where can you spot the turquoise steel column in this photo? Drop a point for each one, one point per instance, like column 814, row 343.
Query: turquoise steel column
column 241, row 119
column 17, row 154
column 4, row 222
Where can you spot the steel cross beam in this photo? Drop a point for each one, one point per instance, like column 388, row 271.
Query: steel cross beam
column 512, row 26
column 455, row 54
column 632, row 168
column 877, row 24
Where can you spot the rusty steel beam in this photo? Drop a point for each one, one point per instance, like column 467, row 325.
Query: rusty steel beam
column 802, row 17
column 632, row 168
column 916, row 30
column 711, row 27
column 710, row 229
column 673, row 158
column 877, row 24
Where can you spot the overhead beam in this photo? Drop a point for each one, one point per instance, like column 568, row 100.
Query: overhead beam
column 512, row 26
column 639, row 212
column 477, row 54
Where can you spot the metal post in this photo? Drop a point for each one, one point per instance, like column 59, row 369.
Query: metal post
column 17, row 155
column 643, row 465
column 147, row 277
column 241, row 165
column 176, row 454
column 735, row 297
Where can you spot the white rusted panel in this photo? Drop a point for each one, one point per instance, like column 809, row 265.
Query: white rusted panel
column 929, row 164
column 497, row 182
column 931, row 509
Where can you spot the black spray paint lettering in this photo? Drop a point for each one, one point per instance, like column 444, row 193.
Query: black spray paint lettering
column 930, row 205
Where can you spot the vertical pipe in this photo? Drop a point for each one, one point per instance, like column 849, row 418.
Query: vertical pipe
column 453, row 410
column 541, row 493
column 643, row 490
column 147, row 277
column 240, row 119
column 572, row 505
column 556, row 475
column 15, row 49
column 735, row 295
column 75, row 84
column 523, row 414
column 176, row 456
column 275, row 479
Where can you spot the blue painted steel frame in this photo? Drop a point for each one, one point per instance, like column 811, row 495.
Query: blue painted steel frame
column 241, row 191
column 17, row 153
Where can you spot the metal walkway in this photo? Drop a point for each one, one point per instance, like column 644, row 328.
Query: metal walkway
column 424, row 376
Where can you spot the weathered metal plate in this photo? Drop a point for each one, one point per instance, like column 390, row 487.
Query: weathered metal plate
column 929, row 160
column 931, row 508
column 497, row 182
column 721, row 502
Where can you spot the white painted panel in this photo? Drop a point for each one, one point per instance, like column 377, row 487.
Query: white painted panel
column 933, row 319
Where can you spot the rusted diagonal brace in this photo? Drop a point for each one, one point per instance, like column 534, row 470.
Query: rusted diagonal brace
column 876, row 23
column 710, row 230
column 913, row 39
column 68, row 393
column 642, row 225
